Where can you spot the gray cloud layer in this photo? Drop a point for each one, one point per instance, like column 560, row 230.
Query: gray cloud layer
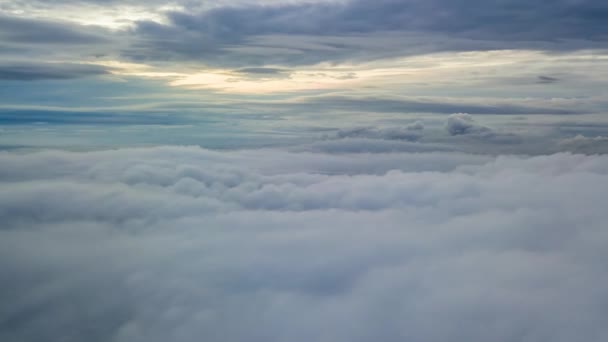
column 19, row 71
column 446, row 25
column 430, row 105
column 39, row 31
column 184, row 244
column 246, row 35
column 493, row 20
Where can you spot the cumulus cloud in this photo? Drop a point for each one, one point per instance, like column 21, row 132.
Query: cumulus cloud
column 186, row 244
column 462, row 126
column 463, row 123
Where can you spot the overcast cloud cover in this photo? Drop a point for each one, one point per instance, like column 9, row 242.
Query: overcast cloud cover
column 187, row 244
column 303, row 170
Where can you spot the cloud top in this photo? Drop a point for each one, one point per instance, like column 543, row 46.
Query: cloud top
column 183, row 244
column 463, row 123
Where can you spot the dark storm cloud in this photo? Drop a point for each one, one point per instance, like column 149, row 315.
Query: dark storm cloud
column 48, row 71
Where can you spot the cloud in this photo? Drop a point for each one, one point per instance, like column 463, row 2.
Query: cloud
column 547, row 79
column 463, row 123
column 76, row 117
column 410, row 132
column 368, row 145
column 432, row 105
column 463, row 126
column 246, row 34
column 261, row 71
column 583, row 144
column 39, row 48
column 40, row 31
column 184, row 244
column 18, row 71
column 309, row 33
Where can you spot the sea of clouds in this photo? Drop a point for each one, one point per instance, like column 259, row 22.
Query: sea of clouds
column 188, row 244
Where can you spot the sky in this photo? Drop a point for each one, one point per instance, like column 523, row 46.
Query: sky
column 229, row 74
column 303, row 170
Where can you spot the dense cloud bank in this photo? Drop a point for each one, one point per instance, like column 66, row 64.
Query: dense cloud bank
column 186, row 244
column 250, row 34
column 357, row 29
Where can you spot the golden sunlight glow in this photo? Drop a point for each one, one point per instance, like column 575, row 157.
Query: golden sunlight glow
column 114, row 18
column 434, row 69
column 410, row 70
column 226, row 81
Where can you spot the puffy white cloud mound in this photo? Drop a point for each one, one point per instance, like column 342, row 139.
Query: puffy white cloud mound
column 185, row 244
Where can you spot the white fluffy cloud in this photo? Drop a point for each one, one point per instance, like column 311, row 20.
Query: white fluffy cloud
column 185, row 244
